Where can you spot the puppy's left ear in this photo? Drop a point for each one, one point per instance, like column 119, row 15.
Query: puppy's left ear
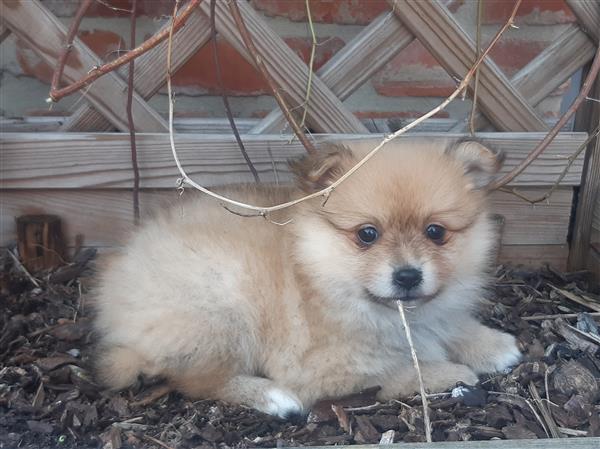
column 479, row 162
column 318, row 171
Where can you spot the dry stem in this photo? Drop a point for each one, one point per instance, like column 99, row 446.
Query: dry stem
column 413, row 353
column 476, row 81
column 562, row 175
column 539, row 149
column 130, row 123
column 97, row 72
column 62, row 59
column 311, row 62
column 247, row 38
column 213, row 32
column 266, row 210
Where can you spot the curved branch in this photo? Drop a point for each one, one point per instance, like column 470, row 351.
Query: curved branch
column 62, row 59
column 585, row 89
column 237, row 16
column 97, row 72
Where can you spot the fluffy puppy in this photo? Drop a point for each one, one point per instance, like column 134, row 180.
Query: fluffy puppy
column 276, row 317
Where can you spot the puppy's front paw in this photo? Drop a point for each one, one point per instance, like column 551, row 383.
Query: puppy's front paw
column 280, row 403
column 497, row 353
column 506, row 356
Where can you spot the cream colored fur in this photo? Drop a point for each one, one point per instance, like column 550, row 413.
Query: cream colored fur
column 277, row 317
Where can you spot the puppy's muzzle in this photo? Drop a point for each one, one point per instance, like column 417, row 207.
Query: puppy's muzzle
column 407, row 279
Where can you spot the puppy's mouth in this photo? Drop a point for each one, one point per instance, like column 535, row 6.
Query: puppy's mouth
column 407, row 298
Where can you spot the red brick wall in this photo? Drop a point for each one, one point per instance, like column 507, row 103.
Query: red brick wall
column 410, row 76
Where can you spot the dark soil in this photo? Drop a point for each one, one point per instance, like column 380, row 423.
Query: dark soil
column 48, row 397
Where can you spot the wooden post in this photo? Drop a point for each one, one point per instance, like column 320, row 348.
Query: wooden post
column 580, row 254
column 40, row 241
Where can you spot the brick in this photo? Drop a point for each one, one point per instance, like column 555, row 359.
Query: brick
column 348, row 12
column 414, row 72
column 111, row 8
column 239, row 76
column 104, row 43
column 531, row 12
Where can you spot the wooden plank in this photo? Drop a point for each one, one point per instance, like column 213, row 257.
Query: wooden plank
column 37, row 27
column 150, row 71
column 589, row 192
column 535, row 255
column 4, row 32
column 350, row 67
column 326, row 113
column 50, row 160
column 588, row 15
column 546, row 223
column 105, row 216
column 547, row 71
column 443, row 36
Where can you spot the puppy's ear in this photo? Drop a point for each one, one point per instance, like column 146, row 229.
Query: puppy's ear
column 318, row 171
column 479, row 162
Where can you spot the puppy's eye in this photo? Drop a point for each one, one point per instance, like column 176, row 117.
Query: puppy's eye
column 367, row 235
column 436, row 233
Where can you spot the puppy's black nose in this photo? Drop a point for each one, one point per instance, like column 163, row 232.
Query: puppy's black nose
column 407, row 277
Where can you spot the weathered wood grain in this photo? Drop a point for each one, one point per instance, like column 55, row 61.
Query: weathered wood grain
column 350, row 67
column 326, row 113
column 35, row 25
column 150, row 71
column 105, row 216
column 4, row 32
column 51, row 160
column 588, row 15
column 442, row 35
column 535, row 255
column 547, row 71
column 588, row 194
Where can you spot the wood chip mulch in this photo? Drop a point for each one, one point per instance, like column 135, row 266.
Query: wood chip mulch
column 48, row 397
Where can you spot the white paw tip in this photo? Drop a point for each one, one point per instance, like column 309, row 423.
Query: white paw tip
column 507, row 360
column 281, row 403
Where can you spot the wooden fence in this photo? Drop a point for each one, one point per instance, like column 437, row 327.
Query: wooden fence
column 78, row 171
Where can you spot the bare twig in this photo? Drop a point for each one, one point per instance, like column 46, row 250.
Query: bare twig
column 62, row 58
column 558, row 315
column 539, row 149
column 575, row 298
column 247, row 38
column 156, row 440
column 545, row 412
column 20, row 266
column 310, row 63
column 131, row 124
column 97, row 72
column 413, row 353
column 562, row 175
column 213, row 31
column 529, row 404
column 265, row 210
column 477, row 52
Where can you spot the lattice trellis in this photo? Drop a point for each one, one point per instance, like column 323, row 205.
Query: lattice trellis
column 505, row 104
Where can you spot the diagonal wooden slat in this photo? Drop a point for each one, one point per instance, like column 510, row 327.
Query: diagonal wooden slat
column 4, row 32
column 443, row 36
column 150, row 71
column 35, row 25
column 326, row 112
column 360, row 58
column 548, row 70
column 588, row 15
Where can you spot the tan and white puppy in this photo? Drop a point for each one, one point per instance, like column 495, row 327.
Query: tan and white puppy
column 277, row 317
